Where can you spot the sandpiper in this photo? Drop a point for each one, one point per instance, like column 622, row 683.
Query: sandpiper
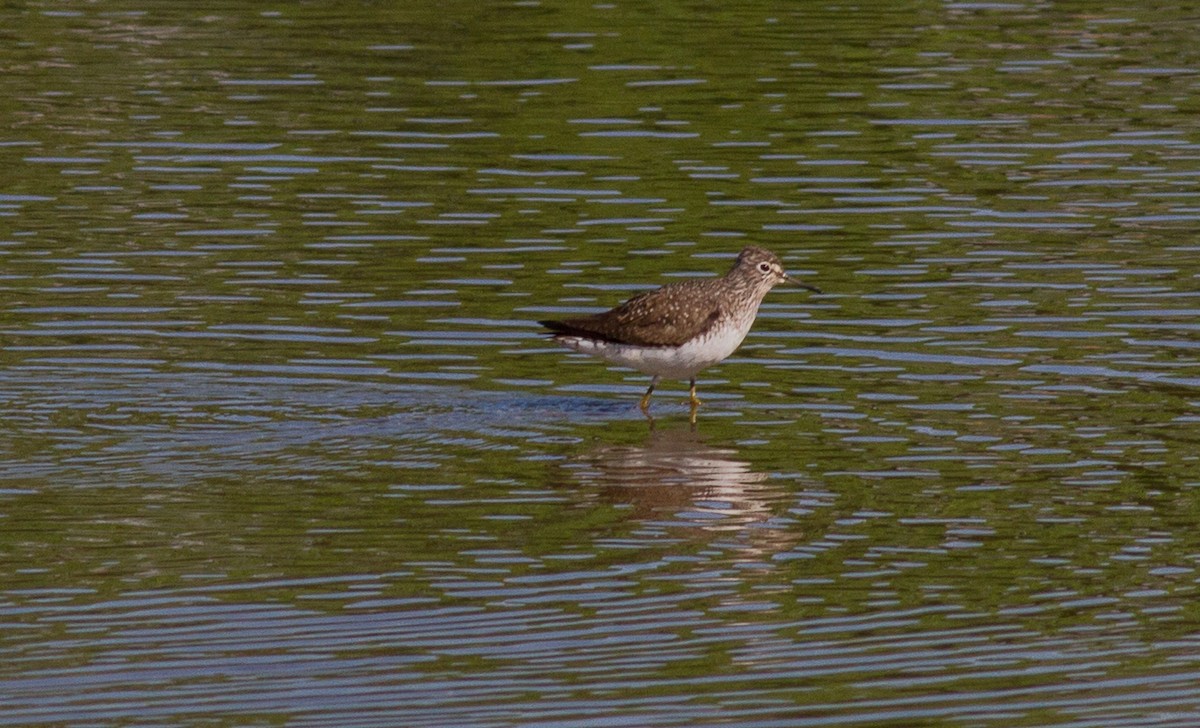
column 679, row 329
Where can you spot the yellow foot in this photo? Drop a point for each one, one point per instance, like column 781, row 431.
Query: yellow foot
column 645, row 407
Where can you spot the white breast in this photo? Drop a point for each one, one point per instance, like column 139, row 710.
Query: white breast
column 681, row 362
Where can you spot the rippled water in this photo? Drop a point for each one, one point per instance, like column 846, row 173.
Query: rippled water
column 283, row 443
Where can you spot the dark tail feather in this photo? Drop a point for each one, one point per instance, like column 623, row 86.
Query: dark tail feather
column 572, row 328
column 560, row 327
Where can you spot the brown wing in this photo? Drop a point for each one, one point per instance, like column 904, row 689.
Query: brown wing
column 668, row 316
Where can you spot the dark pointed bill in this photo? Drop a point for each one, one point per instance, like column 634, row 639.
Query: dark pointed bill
column 805, row 286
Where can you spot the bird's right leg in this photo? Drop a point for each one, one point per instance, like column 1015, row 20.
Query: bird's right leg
column 645, row 404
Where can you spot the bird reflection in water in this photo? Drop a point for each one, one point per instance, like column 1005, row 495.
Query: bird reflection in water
column 675, row 475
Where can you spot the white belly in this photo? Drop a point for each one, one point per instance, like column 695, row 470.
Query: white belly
column 664, row 361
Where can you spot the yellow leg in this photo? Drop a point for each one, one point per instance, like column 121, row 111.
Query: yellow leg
column 695, row 402
column 645, row 403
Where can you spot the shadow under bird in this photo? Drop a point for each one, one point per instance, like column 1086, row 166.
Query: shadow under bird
column 682, row 328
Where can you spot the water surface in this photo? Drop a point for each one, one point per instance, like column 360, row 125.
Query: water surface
column 283, row 443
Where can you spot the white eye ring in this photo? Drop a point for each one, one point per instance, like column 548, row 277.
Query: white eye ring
column 764, row 267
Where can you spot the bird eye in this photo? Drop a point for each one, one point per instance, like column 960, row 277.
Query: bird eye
column 764, row 267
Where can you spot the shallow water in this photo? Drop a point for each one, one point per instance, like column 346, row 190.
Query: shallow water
column 283, row 443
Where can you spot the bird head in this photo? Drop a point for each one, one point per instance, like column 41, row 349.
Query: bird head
column 765, row 268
